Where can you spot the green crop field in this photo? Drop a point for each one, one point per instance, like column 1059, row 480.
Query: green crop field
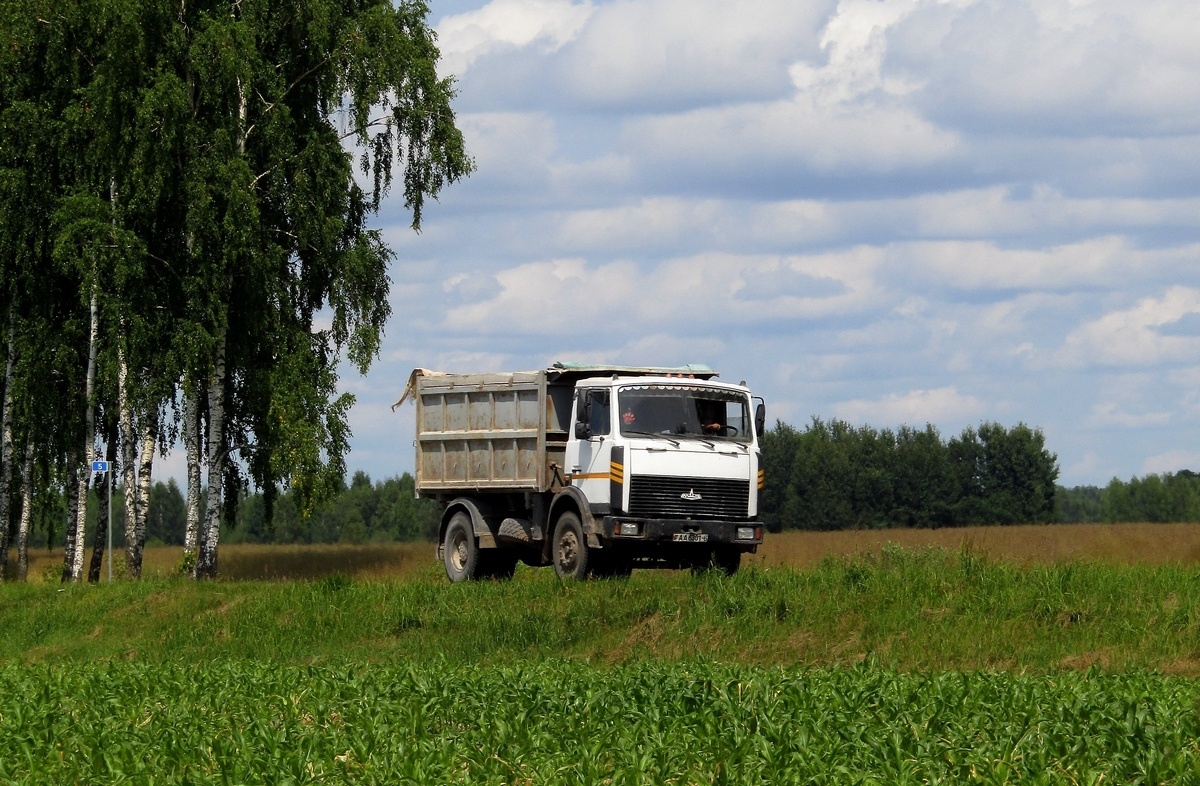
column 566, row 722
column 896, row 666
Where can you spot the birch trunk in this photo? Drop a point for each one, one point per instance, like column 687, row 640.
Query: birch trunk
column 6, row 448
column 206, row 560
column 102, row 516
column 73, row 557
column 191, row 441
column 133, row 552
column 128, row 451
column 26, row 514
column 72, row 508
column 104, row 512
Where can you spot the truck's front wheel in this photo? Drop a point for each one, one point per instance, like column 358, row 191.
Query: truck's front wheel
column 570, row 549
column 460, row 552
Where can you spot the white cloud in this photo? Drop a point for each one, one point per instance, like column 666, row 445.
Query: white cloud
column 583, row 297
column 1170, row 461
column 915, row 408
column 513, row 147
column 1106, row 66
column 855, row 41
column 798, row 134
column 1130, row 337
column 1108, row 413
column 506, row 25
column 709, row 292
column 844, row 113
column 677, row 53
column 983, row 265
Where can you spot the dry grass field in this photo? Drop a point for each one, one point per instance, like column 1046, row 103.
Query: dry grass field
column 1117, row 544
column 248, row 562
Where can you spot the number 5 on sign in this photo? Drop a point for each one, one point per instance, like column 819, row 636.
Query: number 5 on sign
column 99, row 466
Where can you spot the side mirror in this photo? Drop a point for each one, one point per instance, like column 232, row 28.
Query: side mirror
column 582, row 430
column 760, row 418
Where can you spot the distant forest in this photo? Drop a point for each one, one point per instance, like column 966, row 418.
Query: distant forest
column 829, row 475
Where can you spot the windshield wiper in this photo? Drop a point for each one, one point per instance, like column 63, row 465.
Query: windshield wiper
column 650, row 434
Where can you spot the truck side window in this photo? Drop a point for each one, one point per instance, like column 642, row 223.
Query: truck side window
column 597, row 412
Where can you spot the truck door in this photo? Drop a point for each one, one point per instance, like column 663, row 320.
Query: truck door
column 590, row 449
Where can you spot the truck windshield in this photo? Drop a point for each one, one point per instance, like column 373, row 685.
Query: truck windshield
column 685, row 411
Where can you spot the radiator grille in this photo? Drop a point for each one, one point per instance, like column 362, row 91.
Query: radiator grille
column 656, row 496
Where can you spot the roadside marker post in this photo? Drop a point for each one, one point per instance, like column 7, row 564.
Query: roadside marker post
column 102, row 466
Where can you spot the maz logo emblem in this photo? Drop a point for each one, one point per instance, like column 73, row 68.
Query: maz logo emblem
column 691, row 496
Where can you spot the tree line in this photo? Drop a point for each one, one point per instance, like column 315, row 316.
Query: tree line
column 1167, row 497
column 360, row 512
column 831, row 475
column 185, row 249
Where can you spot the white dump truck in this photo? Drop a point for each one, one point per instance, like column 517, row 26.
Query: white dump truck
column 594, row 469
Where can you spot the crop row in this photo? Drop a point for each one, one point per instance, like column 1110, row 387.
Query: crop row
column 571, row 722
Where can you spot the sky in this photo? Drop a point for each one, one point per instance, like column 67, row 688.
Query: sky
column 899, row 212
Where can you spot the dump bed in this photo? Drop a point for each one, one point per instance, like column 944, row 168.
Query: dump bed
column 499, row 431
column 502, row 431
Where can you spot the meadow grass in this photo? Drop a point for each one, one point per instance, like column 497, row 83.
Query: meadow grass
column 884, row 665
column 1114, row 544
column 910, row 609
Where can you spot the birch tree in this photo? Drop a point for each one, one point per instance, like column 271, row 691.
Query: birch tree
column 282, row 232
column 197, row 209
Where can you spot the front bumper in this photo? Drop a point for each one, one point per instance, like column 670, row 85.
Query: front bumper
column 633, row 530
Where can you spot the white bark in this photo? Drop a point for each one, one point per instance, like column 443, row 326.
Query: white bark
column 191, row 442
column 26, row 514
column 103, row 516
column 133, row 561
column 73, row 558
column 206, row 561
column 128, row 451
column 6, row 449
column 72, row 509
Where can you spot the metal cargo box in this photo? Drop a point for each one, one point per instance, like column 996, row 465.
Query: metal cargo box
column 486, row 431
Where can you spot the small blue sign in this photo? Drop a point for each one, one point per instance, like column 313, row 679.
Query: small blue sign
column 99, row 466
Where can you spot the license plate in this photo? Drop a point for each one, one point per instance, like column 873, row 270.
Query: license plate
column 690, row 537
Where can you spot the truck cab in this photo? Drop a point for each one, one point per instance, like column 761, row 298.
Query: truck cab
column 670, row 469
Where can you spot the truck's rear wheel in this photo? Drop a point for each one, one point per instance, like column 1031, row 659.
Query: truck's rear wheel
column 460, row 552
column 570, row 550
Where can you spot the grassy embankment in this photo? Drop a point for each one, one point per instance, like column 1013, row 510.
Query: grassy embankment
column 984, row 660
column 926, row 609
column 1118, row 544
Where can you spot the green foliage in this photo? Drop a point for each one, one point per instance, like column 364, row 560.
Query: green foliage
column 834, row 476
column 1078, row 505
column 382, row 512
column 187, row 165
column 1169, row 497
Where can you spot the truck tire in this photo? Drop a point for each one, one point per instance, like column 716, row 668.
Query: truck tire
column 727, row 560
column 722, row 558
column 460, row 552
column 610, row 564
column 570, row 551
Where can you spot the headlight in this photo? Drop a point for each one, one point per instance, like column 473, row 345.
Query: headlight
column 626, row 528
column 745, row 533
